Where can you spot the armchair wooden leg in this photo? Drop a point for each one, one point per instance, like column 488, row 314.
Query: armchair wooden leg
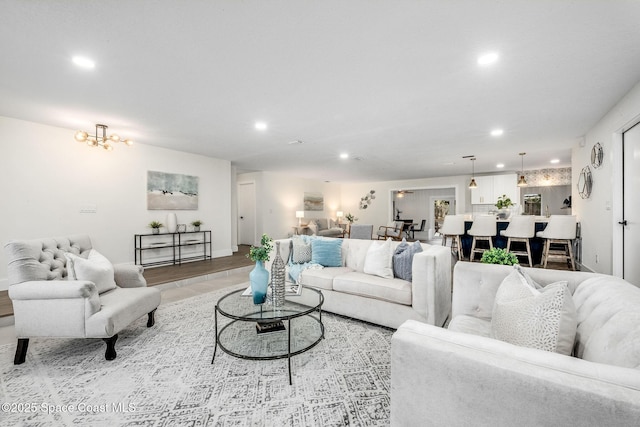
column 152, row 320
column 110, row 354
column 21, row 351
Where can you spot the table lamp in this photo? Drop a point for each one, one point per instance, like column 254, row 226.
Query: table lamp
column 299, row 215
column 339, row 214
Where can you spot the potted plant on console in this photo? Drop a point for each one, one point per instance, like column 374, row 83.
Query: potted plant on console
column 259, row 276
column 503, row 204
column 196, row 225
column 155, row 227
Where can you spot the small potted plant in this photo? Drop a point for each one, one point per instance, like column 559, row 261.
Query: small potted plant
column 259, row 276
column 350, row 218
column 503, row 204
column 196, row 225
column 155, row 227
column 499, row 256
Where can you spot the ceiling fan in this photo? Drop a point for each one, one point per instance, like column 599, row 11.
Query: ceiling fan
column 401, row 193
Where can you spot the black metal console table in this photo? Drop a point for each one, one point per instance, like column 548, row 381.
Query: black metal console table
column 176, row 242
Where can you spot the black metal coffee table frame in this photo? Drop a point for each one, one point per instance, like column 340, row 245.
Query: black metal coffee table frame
column 252, row 313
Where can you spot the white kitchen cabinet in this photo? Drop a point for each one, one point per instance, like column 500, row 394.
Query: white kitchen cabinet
column 491, row 187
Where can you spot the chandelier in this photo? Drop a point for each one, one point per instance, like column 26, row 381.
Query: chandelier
column 100, row 139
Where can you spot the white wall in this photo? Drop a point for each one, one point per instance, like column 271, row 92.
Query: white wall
column 47, row 177
column 380, row 212
column 279, row 196
column 599, row 214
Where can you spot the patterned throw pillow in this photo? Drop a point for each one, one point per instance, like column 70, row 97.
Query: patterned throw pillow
column 545, row 319
column 403, row 259
column 300, row 250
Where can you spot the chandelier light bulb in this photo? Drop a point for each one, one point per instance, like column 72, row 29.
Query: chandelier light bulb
column 81, row 136
column 114, row 138
column 128, row 142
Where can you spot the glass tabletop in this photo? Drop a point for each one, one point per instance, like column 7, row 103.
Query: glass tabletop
column 241, row 307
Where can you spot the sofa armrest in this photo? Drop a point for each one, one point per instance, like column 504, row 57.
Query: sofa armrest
column 431, row 285
column 129, row 276
column 52, row 289
column 462, row 379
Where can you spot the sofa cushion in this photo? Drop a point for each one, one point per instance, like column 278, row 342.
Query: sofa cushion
column 393, row 290
column 96, row 268
column 471, row 325
column 321, row 278
column 525, row 316
column 403, row 259
column 300, row 250
column 608, row 321
column 378, row 260
column 327, row 252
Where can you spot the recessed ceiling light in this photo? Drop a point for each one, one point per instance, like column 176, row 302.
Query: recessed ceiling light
column 500, row 165
column 488, row 58
column 83, row 62
column 344, row 156
column 497, row 132
column 261, row 126
column 554, row 161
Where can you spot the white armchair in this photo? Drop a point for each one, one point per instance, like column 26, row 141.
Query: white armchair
column 100, row 302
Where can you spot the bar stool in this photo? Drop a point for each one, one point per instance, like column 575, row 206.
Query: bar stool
column 520, row 229
column 453, row 227
column 560, row 232
column 483, row 228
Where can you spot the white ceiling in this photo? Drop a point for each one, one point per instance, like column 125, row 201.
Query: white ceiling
column 394, row 83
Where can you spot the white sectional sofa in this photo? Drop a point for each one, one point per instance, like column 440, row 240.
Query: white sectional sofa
column 465, row 377
column 388, row 302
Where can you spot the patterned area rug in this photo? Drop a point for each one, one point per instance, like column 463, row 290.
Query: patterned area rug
column 163, row 376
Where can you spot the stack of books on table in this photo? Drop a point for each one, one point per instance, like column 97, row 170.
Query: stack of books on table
column 270, row 325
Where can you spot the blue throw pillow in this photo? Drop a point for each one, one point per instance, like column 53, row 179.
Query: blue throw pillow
column 403, row 259
column 327, row 253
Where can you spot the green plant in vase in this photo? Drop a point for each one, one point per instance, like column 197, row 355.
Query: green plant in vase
column 350, row 218
column 155, row 226
column 499, row 256
column 196, row 225
column 259, row 276
column 503, row 204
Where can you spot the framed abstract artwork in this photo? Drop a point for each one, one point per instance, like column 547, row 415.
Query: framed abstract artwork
column 313, row 202
column 170, row 191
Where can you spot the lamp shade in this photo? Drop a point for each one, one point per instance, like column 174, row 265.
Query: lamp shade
column 299, row 214
column 339, row 214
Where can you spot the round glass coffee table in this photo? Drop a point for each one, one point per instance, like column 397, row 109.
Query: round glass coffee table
column 266, row 332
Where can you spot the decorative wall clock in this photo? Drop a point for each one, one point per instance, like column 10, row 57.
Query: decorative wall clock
column 596, row 155
column 585, row 182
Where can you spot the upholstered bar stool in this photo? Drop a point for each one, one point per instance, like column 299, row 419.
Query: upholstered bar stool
column 520, row 229
column 483, row 228
column 559, row 232
column 453, row 227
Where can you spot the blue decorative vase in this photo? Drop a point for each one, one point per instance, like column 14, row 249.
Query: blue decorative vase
column 259, row 279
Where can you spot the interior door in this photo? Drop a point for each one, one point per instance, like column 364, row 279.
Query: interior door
column 631, row 205
column 247, row 213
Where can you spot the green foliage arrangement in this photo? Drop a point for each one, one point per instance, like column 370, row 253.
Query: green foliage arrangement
column 499, row 256
column 196, row 223
column 155, row 224
column 503, row 202
column 350, row 218
column 261, row 253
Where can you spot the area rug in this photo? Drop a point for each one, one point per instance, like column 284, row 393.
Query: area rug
column 163, row 376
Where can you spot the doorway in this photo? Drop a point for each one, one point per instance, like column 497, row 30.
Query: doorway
column 631, row 204
column 441, row 207
column 247, row 213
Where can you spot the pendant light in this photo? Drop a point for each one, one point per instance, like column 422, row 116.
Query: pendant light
column 473, row 184
column 522, row 182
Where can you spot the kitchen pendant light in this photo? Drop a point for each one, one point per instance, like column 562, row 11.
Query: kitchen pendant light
column 522, row 182
column 473, row 184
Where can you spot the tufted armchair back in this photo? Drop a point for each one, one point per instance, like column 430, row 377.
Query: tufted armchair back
column 43, row 259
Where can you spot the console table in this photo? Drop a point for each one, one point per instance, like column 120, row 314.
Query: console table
column 169, row 246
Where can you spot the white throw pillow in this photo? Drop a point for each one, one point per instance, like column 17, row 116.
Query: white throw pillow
column 544, row 319
column 300, row 250
column 378, row 259
column 96, row 268
column 313, row 227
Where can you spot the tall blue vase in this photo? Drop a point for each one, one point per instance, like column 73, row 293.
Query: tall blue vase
column 259, row 279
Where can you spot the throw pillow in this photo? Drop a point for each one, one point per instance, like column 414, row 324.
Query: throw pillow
column 313, row 227
column 545, row 319
column 327, row 252
column 378, row 259
column 300, row 250
column 96, row 268
column 403, row 259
